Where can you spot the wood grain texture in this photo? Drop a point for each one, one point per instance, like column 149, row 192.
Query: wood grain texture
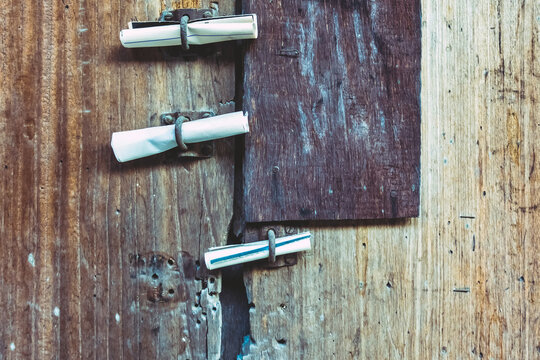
column 71, row 217
column 82, row 235
column 385, row 290
column 333, row 93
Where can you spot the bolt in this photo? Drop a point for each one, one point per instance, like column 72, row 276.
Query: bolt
column 167, row 15
column 167, row 119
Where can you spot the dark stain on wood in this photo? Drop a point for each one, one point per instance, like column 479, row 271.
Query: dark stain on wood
column 333, row 94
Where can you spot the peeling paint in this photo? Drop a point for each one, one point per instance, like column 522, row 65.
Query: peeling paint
column 308, row 39
column 360, row 129
column 31, row 260
column 361, row 50
column 304, row 135
column 382, row 120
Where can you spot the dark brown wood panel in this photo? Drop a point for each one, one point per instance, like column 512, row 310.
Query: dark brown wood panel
column 333, row 93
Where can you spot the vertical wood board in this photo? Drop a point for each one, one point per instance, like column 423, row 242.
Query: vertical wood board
column 101, row 259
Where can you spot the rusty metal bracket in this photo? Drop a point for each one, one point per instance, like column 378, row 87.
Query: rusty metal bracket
column 199, row 150
column 173, row 17
column 182, row 17
column 192, row 14
column 270, row 232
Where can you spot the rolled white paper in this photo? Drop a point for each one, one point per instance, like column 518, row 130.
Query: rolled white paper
column 215, row 127
column 166, row 35
column 135, row 144
column 223, row 256
column 199, row 32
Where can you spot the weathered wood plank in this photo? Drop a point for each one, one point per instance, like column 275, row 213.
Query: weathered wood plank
column 333, row 93
column 73, row 220
column 385, row 290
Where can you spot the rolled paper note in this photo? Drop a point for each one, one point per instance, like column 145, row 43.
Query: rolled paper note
column 199, row 32
column 229, row 255
column 135, row 144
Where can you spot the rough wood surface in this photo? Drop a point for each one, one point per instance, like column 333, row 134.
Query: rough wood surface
column 462, row 280
column 72, row 221
column 333, row 93
column 92, row 249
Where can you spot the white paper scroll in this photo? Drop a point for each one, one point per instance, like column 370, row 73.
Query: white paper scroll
column 223, row 256
column 199, row 32
column 135, row 144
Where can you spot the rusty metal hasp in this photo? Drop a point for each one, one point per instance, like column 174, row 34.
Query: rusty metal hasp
column 186, row 27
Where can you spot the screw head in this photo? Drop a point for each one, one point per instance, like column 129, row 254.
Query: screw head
column 167, row 15
column 167, row 119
